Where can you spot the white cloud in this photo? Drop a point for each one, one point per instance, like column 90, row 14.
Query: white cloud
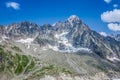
column 114, row 26
column 107, row 1
column 13, row 5
column 115, row 5
column 103, row 34
column 111, row 16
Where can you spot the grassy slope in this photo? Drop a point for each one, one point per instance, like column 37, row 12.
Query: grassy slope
column 36, row 64
column 76, row 63
column 19, row 66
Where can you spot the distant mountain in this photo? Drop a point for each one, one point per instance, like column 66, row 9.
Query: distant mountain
column 22, row 30
column 116, row 37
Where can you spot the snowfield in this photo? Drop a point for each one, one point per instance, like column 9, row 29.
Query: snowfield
column 28, row 40
column 113, row 59
column 68, row 47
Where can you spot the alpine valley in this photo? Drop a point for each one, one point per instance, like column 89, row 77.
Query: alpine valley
column 67, row 50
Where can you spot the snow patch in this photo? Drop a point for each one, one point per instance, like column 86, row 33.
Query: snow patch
column 28, row 46
column 55, row 48
column 44, row 48
column 113, row 59
column 28, row 40
column 34, row 49
column 67, row 46
column 103, row 34
column 54, row 24
column 0, row 41
column 4, row 38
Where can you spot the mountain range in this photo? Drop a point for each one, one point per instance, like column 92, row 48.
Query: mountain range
column 84, row 51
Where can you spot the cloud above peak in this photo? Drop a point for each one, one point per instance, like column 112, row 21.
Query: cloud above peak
column 13, row 5
column 112, row 18
column 107, row 1
column 114, row 26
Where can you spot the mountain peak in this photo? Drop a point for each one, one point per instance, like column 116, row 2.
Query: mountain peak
column 73, row 17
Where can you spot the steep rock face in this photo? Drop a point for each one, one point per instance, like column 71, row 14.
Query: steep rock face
column 2, row 33
column 46, row 35
column 2, row 30
column 22, row 30
column 67, row 25
column 79, row 35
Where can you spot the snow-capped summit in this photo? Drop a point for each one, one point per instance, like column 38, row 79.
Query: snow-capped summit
column 73, row 18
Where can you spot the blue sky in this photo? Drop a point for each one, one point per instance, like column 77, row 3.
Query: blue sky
column 51, row 11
